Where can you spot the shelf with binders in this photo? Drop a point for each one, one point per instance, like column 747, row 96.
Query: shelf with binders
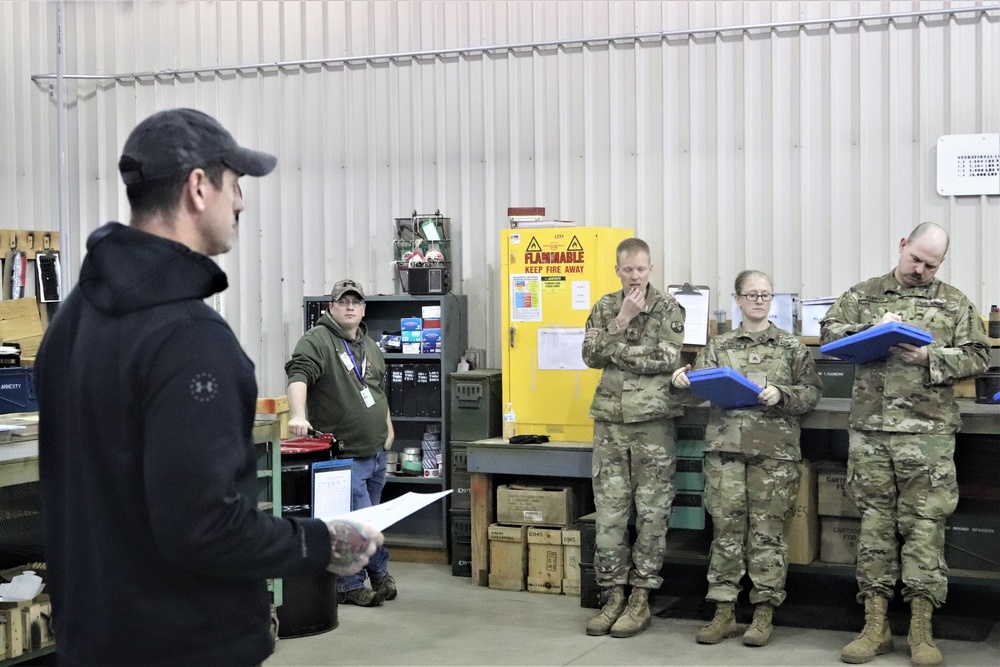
column 419, row 400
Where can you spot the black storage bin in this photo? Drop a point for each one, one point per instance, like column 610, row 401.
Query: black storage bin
column 309, row 601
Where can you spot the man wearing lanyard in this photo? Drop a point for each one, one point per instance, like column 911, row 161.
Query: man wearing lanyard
column 337, row 376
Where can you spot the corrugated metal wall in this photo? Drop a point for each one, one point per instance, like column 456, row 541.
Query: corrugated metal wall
column 807, row 152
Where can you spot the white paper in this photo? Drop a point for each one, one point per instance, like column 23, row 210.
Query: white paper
column 23, row 587
column 695, row 314
column 331, row 492
column 382, row 516
column 561, row 349
column 581, row 295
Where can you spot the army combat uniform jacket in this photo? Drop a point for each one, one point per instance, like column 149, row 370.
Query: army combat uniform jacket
column 637, row 361
column 890, row 395
column 769, row 357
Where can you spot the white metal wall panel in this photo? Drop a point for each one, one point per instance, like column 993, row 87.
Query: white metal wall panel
column 804, row 151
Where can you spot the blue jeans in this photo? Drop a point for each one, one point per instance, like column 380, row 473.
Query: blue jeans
column 367, row 482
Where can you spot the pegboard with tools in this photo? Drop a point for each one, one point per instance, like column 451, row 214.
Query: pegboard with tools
column 28, row 241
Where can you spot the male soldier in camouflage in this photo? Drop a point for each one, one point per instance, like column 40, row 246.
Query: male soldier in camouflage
column 634, row 336
column 751, row 460
column 901, row 469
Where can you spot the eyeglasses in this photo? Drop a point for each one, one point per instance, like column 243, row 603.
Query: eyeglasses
column 755, row 297
column 349, row 302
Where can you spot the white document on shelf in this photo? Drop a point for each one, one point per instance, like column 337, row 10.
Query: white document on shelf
column 384, row 515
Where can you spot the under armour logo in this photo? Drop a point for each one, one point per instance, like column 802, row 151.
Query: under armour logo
column 204, row 387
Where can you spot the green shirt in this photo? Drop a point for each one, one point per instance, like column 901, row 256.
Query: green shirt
column 333, row 400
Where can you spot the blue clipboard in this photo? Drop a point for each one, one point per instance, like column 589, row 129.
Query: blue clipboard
column 724, row 387
column 873, row 344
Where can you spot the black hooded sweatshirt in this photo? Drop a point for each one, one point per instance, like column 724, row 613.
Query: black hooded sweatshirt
column 156, row 552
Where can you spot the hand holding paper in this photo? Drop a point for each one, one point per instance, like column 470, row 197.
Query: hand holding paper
column 352, row 544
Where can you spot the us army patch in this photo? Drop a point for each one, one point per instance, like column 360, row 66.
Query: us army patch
column 678, row 327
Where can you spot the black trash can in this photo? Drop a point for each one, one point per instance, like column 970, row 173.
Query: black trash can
column 309, row 601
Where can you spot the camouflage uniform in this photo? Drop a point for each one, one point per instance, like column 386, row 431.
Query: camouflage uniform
column 634, row 434
column 901, row 469
column 751, row 471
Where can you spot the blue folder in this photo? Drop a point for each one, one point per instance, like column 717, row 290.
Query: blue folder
column 873, row 344
column 724, row 387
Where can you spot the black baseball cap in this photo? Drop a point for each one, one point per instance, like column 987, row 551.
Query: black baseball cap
column 178, row 140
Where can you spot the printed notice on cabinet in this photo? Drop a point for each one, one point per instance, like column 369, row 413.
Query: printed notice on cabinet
column 525, row 298
column 561, row 350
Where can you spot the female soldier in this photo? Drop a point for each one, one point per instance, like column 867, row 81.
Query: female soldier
column 751, row 455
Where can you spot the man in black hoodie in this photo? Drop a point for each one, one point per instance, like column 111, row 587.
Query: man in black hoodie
column 156, row 552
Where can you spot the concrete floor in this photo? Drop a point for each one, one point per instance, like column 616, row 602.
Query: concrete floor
column 439, row 619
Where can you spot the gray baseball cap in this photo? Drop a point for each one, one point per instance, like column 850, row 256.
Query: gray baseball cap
column 178, row 140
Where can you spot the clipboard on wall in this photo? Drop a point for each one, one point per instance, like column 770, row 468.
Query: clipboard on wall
column 695, row 299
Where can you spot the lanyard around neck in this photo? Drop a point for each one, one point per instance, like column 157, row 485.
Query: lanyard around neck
column 358, row 371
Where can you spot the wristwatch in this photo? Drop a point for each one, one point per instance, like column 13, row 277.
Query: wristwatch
column 613, row 327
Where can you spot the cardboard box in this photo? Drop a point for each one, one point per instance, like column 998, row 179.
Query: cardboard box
column 430, row 341
column 36, row 633
column 411, row 324
column 831, row 491
column 508, row 557
column 802, row 528
column 972, row 541
column 519, row 505
column 411, row 348
column 430, row 312
column 690, row 475
column 414, row 336
column 838, row 542
column 572, row 539
column 545, row 560
column 13, row 625
column 571, row 587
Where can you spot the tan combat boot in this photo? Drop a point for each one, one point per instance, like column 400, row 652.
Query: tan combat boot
column 923, row 652
column 612, row 609
column 875, row 639
column 759, row 632
column 723, row 625
column 636, row 617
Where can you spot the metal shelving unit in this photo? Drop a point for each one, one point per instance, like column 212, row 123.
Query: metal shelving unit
column 427, row 528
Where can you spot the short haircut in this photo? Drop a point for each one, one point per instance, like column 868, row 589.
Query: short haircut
column 744, row 276
column 163, row 195
column 631, row 246
column 925, row 227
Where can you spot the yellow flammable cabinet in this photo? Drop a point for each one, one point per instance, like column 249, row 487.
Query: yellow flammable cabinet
column 552, row 277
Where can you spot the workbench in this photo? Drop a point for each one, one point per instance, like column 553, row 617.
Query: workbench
column 572, row 460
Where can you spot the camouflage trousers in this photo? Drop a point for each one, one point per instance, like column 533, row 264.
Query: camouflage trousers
column 903, row 483
column 749, row 499
column 633, row 470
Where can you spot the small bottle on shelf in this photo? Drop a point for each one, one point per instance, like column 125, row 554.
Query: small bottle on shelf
column 994, row 322
column 509, row 422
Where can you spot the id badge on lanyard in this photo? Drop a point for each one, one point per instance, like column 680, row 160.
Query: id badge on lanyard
column 348, row 359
